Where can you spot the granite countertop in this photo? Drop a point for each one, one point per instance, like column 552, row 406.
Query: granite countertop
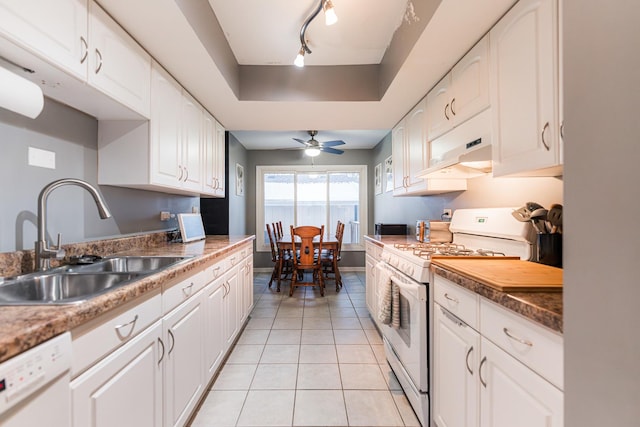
column 24, row 327
column 544, row 308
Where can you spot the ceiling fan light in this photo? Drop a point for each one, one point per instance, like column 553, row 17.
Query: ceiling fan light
column 299, row 61
column 330, row 16
column 312, row 151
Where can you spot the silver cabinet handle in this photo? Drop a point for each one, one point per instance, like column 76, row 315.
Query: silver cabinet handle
column 482, row 381
column 446, row 295
column 445, row 111
column 513, row 337
column 233, row 260
column 188, row 289
column 544, row 130
column 181, row 172
column 161, row 354
column 99, row 57
column 131, row 323
column 453, row 101
column 173, row 341
column 85, row 52
column 467, row 360
column 216, row 271
column 562, row 130
column 186, row 177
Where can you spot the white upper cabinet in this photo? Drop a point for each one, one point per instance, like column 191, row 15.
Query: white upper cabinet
column 118, row 66
column 191, row 153
column 411, row 156
column 461, row 94
column 524, row 91
column 214, row 152
column 82, row 55
column 54, row 30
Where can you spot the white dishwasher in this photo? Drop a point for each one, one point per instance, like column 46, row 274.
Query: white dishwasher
column 34, row 386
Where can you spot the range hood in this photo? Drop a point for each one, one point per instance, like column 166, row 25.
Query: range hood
column 463, row 152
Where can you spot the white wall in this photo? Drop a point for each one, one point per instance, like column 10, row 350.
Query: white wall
column 602, row 233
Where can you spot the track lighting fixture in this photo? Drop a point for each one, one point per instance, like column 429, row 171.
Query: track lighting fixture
column 330, row 19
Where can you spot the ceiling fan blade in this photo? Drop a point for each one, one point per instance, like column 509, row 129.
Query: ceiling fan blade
column 331, row 150
column 332, row 143
column 301, row 141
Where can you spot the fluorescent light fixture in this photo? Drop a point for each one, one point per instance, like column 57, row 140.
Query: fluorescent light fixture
column 330, row 16
column 299, row 61
column 312, row 151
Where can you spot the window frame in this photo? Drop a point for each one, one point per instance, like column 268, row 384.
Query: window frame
column 263, row 246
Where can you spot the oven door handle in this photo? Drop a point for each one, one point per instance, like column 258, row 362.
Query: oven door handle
column 416, row 290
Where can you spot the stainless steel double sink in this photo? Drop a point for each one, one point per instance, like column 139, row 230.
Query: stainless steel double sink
column 71, row 284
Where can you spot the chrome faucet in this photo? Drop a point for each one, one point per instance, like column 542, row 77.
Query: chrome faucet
column 44, row 253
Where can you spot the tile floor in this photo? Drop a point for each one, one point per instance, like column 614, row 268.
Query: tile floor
column 307, row 360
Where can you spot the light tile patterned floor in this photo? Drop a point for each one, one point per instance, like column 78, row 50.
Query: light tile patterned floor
column 307, row 360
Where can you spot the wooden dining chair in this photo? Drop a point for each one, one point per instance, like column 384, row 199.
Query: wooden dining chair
column 329, row 255
column 307, row 257
column 281, row 260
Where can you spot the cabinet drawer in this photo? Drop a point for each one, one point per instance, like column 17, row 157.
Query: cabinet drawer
column 216, row 270
column 535, row 346
column 245, row 251
column 373, row 250
column 459, row 301
column 100, row 337
column 174, row 295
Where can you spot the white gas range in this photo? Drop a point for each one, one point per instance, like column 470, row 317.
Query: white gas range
column 476, row 232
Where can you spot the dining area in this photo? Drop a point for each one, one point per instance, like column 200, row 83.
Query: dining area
column 305, row 256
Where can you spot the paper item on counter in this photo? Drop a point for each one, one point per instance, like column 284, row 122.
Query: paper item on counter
column 20, row 95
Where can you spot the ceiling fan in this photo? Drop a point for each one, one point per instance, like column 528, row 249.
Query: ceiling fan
column 313, row 147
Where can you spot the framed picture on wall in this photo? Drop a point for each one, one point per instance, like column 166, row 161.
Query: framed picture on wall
column 239, row 180
column 378, row 178
column 388, row 174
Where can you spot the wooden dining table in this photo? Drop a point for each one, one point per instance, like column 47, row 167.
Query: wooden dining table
column 284, row 244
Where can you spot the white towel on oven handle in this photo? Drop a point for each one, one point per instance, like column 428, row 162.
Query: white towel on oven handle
column 389, row 302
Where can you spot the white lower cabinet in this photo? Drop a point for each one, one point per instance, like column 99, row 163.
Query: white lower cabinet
column 170, row 346
column 183, row 360
column 513, row 395
column 125, row 388
column 477, row 382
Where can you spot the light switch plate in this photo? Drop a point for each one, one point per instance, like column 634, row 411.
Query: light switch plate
column 42, row 158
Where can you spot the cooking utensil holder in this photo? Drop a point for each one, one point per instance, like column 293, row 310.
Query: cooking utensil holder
column 549, row 248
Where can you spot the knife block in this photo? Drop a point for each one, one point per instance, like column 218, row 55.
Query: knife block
column 549, row 249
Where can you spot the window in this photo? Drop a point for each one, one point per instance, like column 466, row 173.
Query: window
column 312, row 195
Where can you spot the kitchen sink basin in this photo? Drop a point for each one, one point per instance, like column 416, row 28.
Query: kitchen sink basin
column 127, row 264
column 60, row 288
column 76, row 283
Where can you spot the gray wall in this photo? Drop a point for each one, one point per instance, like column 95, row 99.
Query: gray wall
column 72, row 135
column 601, row 289
column 237, row 204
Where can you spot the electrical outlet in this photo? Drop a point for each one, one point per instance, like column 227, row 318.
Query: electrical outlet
column 446, row 212
column 164, row 216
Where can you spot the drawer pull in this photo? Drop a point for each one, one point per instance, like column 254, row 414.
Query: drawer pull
column 131, row 323
column 161, row 354
column 513, row 337
column 173, row 341
column 216, row 271
column 544, row 130
column 99, row 58
column 467, row 360
column 446, row 295
column 187, row 289
column 482, row 381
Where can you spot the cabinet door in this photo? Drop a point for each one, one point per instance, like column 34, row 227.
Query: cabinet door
column 439, row 117
column 456, row 347
column 230, row 306
column 398, row 152
column 118, row 66
column 370, row 286
column 470, row 79
column 183, row 362
column 214, row 343
column 220, row 168
column 513, row 395
column 417, row 152
column 247, row 287
column 524, row 49
column 209, row 154
column 124, row 389
column 165, row 129
column 191, row 144
column 56, row 31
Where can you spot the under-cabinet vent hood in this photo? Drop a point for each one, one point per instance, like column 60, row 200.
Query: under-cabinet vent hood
column 463, row 152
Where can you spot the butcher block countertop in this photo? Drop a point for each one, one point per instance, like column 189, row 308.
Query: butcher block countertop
column 24, row 327
column 530, row 289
